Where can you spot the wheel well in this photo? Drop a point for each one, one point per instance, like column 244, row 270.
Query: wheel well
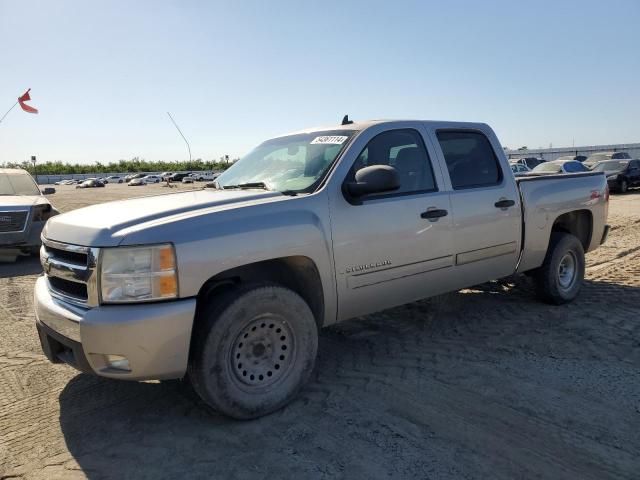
column 578, row 223
column 298, row 273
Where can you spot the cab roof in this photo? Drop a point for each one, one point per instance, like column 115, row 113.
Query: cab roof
column 364, row 124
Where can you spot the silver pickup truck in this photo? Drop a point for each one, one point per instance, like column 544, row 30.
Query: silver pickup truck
column 227, row 286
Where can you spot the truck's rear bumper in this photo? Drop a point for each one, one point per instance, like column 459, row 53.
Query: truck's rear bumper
column 153, row 338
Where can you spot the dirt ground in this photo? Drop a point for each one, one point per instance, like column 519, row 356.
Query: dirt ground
column 483, row 383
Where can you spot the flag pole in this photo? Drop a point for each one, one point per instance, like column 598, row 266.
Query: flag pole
column 180, row 132
column 3, row 117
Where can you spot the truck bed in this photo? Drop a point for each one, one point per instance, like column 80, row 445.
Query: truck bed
column 544, row 198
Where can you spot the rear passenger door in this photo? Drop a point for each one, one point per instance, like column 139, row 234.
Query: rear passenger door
column 485, row 205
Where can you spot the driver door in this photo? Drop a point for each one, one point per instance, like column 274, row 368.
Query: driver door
column 391, row 248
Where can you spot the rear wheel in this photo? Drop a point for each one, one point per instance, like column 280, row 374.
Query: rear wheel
column 560, row 277
column 253, row 350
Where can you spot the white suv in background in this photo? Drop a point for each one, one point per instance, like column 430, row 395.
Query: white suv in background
column 152, row 179
column 113, row 179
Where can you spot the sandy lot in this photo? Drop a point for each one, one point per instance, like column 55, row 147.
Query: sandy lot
column 483, row 383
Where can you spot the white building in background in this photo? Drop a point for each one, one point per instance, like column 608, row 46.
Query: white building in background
column 633, row 149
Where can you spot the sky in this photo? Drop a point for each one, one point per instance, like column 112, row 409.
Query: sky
column 234, row 73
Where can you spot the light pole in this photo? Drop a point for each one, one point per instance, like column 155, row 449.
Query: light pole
column 35, row 172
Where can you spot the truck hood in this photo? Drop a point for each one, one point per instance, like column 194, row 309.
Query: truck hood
column 12, row 201
column 106, row 224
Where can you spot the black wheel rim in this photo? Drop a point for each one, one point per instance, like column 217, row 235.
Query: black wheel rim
column 263, row 351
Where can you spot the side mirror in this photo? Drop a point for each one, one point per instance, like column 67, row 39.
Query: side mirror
column 374, row 179
column 48, row 191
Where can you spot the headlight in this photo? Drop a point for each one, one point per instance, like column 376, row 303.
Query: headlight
column 612, row 177
column 137, row 274
column 43, row 212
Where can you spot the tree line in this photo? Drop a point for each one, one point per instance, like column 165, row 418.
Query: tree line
column 121, row 166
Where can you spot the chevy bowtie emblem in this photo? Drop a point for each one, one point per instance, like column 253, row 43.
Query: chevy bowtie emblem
column 5, row 218
column 46, row 266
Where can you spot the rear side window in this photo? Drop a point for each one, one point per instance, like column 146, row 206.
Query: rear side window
column 572, row 167
column 470, row 159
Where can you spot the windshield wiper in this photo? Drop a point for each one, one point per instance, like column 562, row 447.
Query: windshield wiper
column 260, row 185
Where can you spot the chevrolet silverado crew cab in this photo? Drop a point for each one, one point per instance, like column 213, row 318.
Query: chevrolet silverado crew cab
column 23, row 213
column 228, row 285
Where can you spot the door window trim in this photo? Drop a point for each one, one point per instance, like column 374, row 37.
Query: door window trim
column 383, row 196
column 501, row 177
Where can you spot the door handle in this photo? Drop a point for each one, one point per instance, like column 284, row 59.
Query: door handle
column 435, row 213
column 504, row 203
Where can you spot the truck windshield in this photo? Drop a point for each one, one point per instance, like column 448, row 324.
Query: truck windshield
column 612, row 166
column 294, row 164
column 17, row 184
column 598, row 157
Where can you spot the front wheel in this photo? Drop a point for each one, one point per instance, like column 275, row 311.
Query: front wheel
column 252, row 351
column 560, row 277
column 624, row 186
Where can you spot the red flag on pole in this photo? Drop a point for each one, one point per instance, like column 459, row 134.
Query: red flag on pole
column 25, row 98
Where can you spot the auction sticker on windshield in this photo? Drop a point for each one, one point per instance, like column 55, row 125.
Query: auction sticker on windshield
column 333, row 139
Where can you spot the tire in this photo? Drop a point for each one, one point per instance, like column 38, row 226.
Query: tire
column 252, row 350
column 560, row 277
column 624, row 186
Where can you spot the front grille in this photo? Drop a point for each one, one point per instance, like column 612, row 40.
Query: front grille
column 69, row 288
column 67, row 256
column 70, row 270
column 13, row 221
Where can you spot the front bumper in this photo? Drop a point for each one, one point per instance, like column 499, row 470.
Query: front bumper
column 613, row 183
column 29, row 237
column 153, row 337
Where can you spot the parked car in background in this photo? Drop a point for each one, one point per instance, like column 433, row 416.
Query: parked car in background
column 529, row 162
column 114, row 179
column 189, row 179
column 66, row 182
column 133, row 176
column 152, row 179
column 604, row 156
column 577, row 158
column 559, row 166
column 519, row 169
column 229, row 285
column 621, row 174
column 137, row 182
column 204, row 176
column 23, row 213
column 91, row 183
column 177, row 177
column 165, row 175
